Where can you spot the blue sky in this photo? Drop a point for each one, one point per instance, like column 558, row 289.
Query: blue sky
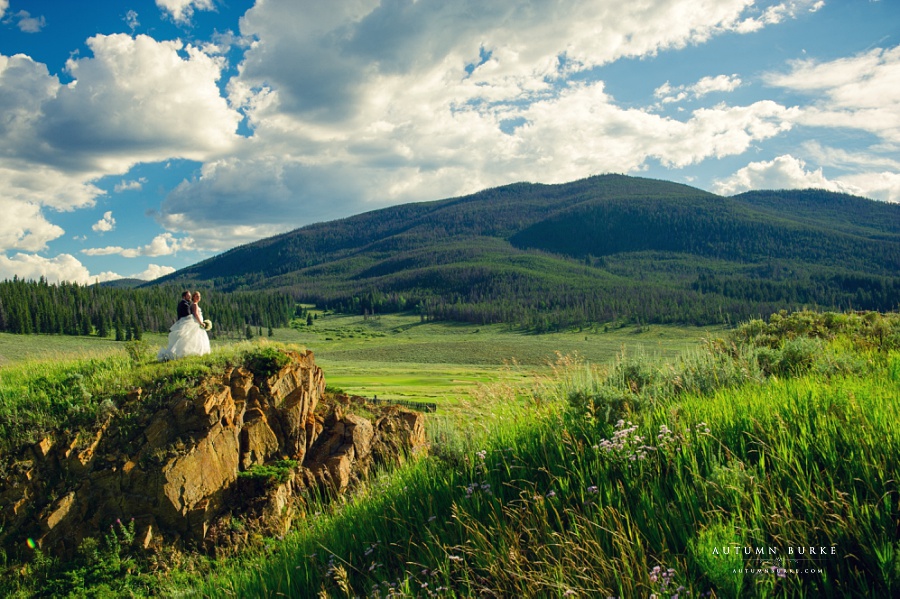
column 138, row 137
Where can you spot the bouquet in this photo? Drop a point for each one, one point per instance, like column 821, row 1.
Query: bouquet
column 207, row 325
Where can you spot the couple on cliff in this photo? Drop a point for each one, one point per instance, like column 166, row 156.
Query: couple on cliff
column 188, row 336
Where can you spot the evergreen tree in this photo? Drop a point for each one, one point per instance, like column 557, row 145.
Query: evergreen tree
column 248, row 332
column 86, row 327
column 102, row 327
column 120, row 331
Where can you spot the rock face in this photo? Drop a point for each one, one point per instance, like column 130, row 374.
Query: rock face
column 199, row 460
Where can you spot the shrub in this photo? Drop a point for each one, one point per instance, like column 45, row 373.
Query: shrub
column 138, row 351
column 724, row 571
column 276, row 472
column 266, row 361
column 798, row 355
column 606, row 404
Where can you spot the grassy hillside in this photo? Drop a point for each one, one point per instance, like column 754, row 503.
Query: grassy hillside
column 712, row 474
column 622, row 479
column 595, row 250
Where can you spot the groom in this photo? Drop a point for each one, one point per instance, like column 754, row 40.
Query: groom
column 184, row 306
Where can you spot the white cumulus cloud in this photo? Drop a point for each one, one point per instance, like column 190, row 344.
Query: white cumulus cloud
column 27, row 23
column 63, row 267
column 135, row 100
column 784, row 172
column 154, row 271
column 707, row 85
column 788, row 172
column 107, row 223
column 131, row 19
column 164, row 244
column 24, row 227
column 181, row 11
column 776, row 13
column 858, row 92
column 883, row 185
column 133, row 185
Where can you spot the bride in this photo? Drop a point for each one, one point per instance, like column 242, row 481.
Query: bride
column 187, row 337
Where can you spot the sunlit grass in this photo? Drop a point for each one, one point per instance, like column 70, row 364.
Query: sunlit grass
column 627, row 479
column 555, row 502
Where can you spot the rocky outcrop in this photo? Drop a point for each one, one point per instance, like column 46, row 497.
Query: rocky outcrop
column 206, row 456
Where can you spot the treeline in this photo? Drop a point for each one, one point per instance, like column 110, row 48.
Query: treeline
column 582, row 296
column 70, row 309
column 836, row 291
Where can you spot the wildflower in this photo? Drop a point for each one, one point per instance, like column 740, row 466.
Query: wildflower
column 593, row 490
column 568, row 593
column 551, row 494
column 454, row 558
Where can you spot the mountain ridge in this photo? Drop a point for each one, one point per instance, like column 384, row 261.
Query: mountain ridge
column 497, row 254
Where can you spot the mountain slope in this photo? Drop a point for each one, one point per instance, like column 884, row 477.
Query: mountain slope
column 607, row 247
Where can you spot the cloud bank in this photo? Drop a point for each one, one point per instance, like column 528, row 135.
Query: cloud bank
column 403, row 101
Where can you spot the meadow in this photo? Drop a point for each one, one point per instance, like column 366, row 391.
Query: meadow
column 397, row 356
column 658, row 461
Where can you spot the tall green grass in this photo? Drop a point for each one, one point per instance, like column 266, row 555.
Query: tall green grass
column 652, row 498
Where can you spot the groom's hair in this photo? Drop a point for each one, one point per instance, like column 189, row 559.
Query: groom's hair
column 186, row 294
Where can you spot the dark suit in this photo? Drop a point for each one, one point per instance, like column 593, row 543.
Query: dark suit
column 184, row 308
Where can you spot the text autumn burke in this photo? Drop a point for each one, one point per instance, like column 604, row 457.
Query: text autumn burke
column 806, row 551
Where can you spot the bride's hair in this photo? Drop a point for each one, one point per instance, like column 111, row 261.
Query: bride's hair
column 196, row 296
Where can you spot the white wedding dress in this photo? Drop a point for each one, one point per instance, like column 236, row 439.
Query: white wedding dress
column 186, row 338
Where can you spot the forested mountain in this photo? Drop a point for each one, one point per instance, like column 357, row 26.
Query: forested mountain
column 609, row 247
